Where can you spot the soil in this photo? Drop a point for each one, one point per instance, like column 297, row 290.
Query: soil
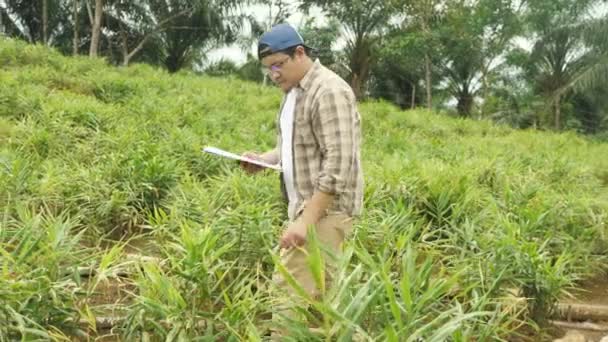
column 594, row 291
column 590, row 292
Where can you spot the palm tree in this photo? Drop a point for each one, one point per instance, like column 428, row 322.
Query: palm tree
column 561, row 54
column 206, row 23
column 595, row 72
column 557, row 61
column 364, row 22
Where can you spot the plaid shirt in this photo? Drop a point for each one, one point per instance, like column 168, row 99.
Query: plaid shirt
column 326, row 145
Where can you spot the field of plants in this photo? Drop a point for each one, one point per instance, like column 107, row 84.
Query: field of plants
column 471, row 231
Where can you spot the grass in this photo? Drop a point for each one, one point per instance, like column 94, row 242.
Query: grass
column 458, row 213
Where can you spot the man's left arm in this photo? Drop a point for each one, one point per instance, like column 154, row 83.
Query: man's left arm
column 333, row 124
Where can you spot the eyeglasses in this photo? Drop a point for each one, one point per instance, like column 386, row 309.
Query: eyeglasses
column 275, row 67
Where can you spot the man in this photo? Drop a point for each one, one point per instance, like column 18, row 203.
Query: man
column 318, row 148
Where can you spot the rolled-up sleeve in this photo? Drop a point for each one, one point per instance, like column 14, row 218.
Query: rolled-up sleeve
column 334, row 127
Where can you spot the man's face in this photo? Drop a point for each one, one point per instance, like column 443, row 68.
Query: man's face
column 283, row 70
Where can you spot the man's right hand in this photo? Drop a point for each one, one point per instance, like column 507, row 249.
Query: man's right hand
column 252, row 168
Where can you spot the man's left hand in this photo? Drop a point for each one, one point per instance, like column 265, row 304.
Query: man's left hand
column 294, row 235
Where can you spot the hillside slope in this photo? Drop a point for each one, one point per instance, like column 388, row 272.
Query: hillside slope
column 110, row 152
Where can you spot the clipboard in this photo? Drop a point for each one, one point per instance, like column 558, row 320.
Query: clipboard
column 219, row 152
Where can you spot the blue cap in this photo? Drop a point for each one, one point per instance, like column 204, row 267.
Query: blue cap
column 279, row 38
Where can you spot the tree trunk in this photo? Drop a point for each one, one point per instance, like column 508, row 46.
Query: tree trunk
column 359, row 63
column 135, row 51
column 76, row 39
column 174, row 61
column 484, row 91
column 127, row 56
column 125, row 47
column 465, row 103
column 96, row 32
column 90, row 12
column 110, row 51
column 427, row 57
column 413, row 96
column 1, row 23
column 355, row 83
column 45, row 22
column 429, row 95
column 558, row 112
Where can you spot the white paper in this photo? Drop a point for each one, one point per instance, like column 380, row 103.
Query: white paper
column 226, row 154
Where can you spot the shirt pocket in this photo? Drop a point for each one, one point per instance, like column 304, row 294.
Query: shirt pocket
column 303, row 134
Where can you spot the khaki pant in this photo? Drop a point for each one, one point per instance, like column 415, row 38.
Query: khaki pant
column 331, row 231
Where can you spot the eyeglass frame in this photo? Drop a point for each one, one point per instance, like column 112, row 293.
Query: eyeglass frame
column 275, row 67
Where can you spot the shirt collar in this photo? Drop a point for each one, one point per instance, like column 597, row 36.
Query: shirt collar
column 306, row 81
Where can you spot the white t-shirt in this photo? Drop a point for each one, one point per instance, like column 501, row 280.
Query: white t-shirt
column 287, row 117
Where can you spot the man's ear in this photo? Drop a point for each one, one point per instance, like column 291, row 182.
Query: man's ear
column 300, row 51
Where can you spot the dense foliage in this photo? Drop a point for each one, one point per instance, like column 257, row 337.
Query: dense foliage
column 461, row 217
column 533, row 63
